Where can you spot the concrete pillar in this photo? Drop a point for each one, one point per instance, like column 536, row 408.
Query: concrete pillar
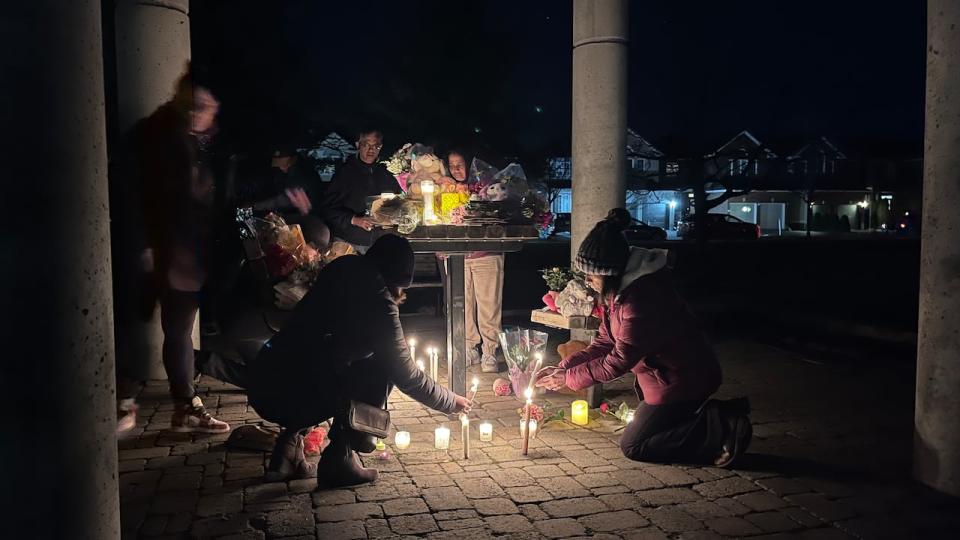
column 152, row 51
column 936, row 460
column 599, row 112
column 57, row 373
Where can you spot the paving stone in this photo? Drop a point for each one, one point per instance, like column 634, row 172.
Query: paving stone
column 639, row 480
column 620, row 520
column 573, row 507
column 243, row 473
column 179, row 523
column 402, row 507
column 131, row 465
column 732, row 506
column 455, row 514
column 180, row 482
column 533, row 512
column 761, row 501
column 802, row 517
column 348, row 512
column 415, row 524
column 266, row 493
column 669, row 475
column 480, row 488
column 511, row 477
column 154, row 525
column 249, row 535
column 544, row 471
column 563, row 487
column 822, row 507
column 172, row 503
column 705, row 509
column 213, row 527
column 434, row 480
column 672, row 520
column 332, row 497
column 304, row 485
column 492, row 507
column 508, row 524
column 783, row 486
column 596, row 480
column 457, row 524
column 559, row 528
column 478, row 533
column 620, row 501
column 290, row 523
column 727, row 487
column 165, row 462
column 225, row 503
column 445, row 498
column 699, row 535
column 376, row 528
column 772, row 522
column 144, row 453
column 660, row 497
column 732, row 526
column 529, row 494
column 646, row 533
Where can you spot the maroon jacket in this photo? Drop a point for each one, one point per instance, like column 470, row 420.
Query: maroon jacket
column 649, row 330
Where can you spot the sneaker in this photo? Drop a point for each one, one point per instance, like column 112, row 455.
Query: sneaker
column 473, row 357
column 488, row 364
column 736, row 442
column 126, row 416
column 192, row 417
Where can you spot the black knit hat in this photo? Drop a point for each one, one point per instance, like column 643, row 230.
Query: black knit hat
column 393, row 257
column 604, row 251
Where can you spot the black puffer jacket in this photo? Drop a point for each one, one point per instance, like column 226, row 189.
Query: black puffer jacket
column 347, row 319
column 346, row 197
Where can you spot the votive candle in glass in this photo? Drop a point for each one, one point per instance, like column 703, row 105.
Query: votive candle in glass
column 402, row 440
column 579, row 412
column 486, row 432
column 533, row 428
column 441, row 438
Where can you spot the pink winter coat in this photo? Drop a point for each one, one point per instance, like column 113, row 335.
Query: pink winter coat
column 649, row 330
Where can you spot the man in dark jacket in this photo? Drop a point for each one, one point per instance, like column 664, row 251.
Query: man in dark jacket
column 345, row 200
column 646, row 328
column 343, row 342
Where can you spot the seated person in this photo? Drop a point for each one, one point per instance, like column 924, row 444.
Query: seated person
column 646, row 328
column 343, row 342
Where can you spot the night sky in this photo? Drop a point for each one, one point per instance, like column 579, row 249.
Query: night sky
column 495, row 75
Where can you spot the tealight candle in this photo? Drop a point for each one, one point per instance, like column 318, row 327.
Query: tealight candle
column 402, row 440
column 441, row 438
column 630, row 417
column 381, row 446
column 579, row 412
column 486, row 432
column 427, row 188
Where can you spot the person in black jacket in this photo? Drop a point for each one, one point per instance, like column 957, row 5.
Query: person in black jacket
column 343, row 342
column 345, row 200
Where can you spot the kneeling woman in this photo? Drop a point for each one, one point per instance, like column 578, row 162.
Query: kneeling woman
column 647, row 328
column 343, row 342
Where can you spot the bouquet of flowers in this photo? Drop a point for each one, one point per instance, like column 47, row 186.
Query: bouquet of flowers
column 399, row 164
column 557, row 279
column 520, row 348
column 543, row 414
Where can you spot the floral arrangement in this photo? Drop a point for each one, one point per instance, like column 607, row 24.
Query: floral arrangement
column 543, row 414
column 313, row 442
column 556, row 277
column 520, row 348
column 399, row 162
column 622, row 412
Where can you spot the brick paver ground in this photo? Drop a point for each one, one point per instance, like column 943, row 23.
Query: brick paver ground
column 829, row 460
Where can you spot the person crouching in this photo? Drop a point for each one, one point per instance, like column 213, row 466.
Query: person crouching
column 343, row 342
column 647, row 328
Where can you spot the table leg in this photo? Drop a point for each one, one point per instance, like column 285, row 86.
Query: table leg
column 456, row 325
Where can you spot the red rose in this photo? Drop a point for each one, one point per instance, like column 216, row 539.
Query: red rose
column 604, row 408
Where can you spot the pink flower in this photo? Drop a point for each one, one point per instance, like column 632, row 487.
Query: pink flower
column 604, row 408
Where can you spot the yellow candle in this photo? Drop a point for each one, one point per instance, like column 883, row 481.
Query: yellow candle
column 402, row 440
column 579, row 412
column 486, row 432
column 381, row 445
column 441, row 438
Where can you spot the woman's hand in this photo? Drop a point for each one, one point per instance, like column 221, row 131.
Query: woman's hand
column 551, row 378
column 462, row 404
column 363, row 222
column 298, row 198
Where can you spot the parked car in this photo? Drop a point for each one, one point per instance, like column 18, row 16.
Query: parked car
column 719, row 226
column 640, row 231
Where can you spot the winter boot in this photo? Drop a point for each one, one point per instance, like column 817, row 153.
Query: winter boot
column 287, row 461
column 339, row 464
column 735, row 443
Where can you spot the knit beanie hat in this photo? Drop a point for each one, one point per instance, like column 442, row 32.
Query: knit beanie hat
column 605, row 251
column 393, row 258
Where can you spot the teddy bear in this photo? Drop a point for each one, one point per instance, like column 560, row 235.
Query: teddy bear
column 496, row 191
column 429, row 167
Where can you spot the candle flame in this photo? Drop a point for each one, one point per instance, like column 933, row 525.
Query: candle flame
column 412, row 342
column 420, row 365
column 528, row 393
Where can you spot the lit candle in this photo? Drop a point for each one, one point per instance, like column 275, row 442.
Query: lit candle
column 528, row 393
column 413, row 348
column 630, row 417
column 473, row 389
column 426, row 187
column 533, row 428
column 579, row 412
column 387, row 196
column 420, row 365
column 434, row 363
column 402, row 440
column 486, row 432
column 381, row 446
column 441, row 438
column 465, row 435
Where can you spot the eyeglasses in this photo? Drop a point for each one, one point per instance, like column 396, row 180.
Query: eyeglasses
column 368, row 145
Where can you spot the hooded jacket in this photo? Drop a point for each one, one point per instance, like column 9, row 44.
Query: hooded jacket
column 348, row 319
column 346, row 197
column 648, row 329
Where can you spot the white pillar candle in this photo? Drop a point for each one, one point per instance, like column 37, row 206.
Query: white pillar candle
column 533, row 428
column 413, row 348
column 402, row 440
column 420, row 365
column 465, row 435
column 429, row 215
column 441, row 438
column 486, row 432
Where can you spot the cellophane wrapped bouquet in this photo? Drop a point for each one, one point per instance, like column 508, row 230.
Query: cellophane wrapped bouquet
column 520, row 348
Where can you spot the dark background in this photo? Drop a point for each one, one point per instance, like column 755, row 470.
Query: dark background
column 496, row 75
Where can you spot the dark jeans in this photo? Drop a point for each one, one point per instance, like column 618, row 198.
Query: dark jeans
column 687, row 432
column 178, row 311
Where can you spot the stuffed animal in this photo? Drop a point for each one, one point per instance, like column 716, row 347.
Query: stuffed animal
column 495, row 192
column 426, row 167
